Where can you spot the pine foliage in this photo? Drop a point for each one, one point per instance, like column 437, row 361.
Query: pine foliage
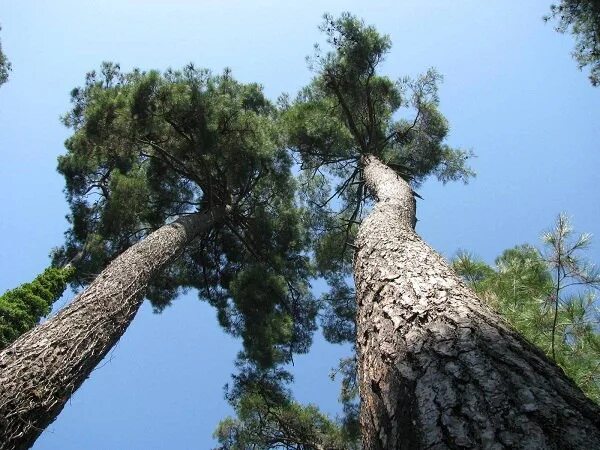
column 268, row 418
column 5, row 67
column 289, row 425
column 582, row 19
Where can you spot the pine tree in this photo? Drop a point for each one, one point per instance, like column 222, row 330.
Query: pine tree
column 437, row 368
column 182, row 182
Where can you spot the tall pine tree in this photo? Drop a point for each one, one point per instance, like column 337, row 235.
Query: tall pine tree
column 182, row 182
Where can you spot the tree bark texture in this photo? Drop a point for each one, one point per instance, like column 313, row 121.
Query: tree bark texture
column 40, row 371
column 438, row 369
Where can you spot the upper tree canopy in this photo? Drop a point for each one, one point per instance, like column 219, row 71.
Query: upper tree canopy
column 582, row 19
column 147, row 147
column 350, row 109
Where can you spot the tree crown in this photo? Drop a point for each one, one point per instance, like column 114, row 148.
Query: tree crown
column 148, row 147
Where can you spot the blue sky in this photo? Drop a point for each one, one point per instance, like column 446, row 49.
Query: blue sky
column 512, row 94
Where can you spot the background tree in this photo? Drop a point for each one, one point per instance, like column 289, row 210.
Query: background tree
column 267, row 417
column 549, row 298
column 5, row 66
column 436, row 367
column 147, row 148
column 23, row 307
column 582, row 19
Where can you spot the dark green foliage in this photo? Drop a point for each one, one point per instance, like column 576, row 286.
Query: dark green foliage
column 339, row 311
column 5, row 67
column 147, row 147
column 582, row 19
column 522, row 288
column 22, row 308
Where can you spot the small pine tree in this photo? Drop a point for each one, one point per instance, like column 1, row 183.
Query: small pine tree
column 549, row 297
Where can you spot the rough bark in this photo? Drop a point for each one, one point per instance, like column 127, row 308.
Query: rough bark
column 41, row 370
column 438, row 369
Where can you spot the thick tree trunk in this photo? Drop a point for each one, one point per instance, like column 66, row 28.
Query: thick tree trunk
column 437, row 368
column 41, row 370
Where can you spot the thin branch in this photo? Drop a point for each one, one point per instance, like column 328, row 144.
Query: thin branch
column 341, row 189
column 178, row 129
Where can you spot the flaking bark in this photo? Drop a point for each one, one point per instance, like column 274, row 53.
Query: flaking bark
column 438, row 369
column 41, row 370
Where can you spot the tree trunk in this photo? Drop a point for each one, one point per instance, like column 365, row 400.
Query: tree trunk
column 438, row 369
column 42, row 369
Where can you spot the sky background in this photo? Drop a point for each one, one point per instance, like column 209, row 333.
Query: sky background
column 512, row 93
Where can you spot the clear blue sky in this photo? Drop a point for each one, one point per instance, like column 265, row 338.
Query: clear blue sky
column 512, row 93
